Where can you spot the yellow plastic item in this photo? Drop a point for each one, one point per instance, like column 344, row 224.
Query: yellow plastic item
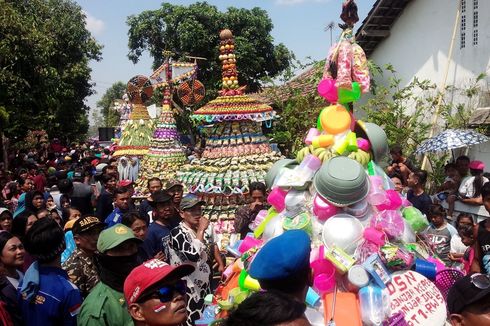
column 322, row 141
column 335, row 119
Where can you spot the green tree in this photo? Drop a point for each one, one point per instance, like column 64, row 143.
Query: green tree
column 106, row 103
column 45, row 51
column 193, row 30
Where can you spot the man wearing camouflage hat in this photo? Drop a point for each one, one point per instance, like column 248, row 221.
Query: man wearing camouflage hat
column 81, row 265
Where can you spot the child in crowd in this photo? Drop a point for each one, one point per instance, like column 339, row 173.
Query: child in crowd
column 458, row 248
column 450, row 184
column 465, row 232
column 439, row 232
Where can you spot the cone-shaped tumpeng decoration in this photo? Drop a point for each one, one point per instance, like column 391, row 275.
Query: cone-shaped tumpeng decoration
column 232, row 104
column 137, row 132
column 236, row 153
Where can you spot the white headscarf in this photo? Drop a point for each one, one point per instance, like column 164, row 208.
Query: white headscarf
column 123, row 168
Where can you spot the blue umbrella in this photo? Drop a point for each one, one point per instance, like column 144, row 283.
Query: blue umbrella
column 451, row 139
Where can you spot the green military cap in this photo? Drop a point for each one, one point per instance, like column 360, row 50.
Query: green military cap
column 114, row 236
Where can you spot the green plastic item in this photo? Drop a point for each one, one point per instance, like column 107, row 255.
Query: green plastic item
column 415, row 218
column 299, row 222
column 371, row 168
column 342, row 181
column 349, row 95
column 276, row 168
column 260, row 229
column 378, row 140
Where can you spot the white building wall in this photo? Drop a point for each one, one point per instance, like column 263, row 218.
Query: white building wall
column 419, row 44
column 420, row 39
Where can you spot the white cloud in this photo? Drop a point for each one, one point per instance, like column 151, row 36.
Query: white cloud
column 296, row 2
column 94, row 25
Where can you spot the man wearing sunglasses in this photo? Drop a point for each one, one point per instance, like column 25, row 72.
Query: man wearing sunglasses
column 468, row 301
column 155, row 293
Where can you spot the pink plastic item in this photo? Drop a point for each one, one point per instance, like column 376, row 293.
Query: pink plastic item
column 363, row 144
column 248, row 243
column 391, row 222
column 324, row 283
column 328, row 90
column 393, row 201
column 374, row 236
column 322, row 209
column 310, row 162
column 439, row 264
column 445, row 280
column 406, row 203
column 276, row 199
column 377, row 195
column 312, row 133
column 321, row 265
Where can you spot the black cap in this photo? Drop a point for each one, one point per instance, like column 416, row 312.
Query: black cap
column 85, row 224
column 464, row 292
column 160, row 196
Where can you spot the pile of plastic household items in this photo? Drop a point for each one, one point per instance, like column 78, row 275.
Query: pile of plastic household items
column 369, row 265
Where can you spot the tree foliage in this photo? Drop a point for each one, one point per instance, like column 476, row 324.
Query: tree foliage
column 193, row 30
column 45, row 51
column 106, row 104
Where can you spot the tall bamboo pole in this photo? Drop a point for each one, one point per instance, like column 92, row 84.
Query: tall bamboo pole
column 442, row 89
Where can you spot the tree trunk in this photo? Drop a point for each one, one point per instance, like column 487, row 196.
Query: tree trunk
column 5, row 154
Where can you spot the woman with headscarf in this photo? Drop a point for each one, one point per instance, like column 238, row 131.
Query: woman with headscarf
column 134, row 167
column 123, row 168
column 34, row 201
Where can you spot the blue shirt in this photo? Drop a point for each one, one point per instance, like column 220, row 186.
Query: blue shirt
column 422, row 202
column 114, row 217
column 57, row 301
column 153, row 243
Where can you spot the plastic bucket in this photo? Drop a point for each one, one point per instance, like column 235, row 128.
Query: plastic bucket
column 426, row 268
column 276, row 198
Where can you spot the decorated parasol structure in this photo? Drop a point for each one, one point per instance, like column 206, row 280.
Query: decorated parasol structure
column 137, row 131
column 166, row 153
column 236, row 153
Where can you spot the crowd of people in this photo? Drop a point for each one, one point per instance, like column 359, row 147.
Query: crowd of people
column 71, row 234
column 77, row 249
column 459, row 240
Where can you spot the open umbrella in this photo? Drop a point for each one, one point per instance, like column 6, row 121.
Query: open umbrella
column 451, row 139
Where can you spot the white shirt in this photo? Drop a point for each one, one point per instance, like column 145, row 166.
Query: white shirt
column 457, row 247
column 467, row 189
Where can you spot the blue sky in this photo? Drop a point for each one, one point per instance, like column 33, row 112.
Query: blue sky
column 299, row 24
